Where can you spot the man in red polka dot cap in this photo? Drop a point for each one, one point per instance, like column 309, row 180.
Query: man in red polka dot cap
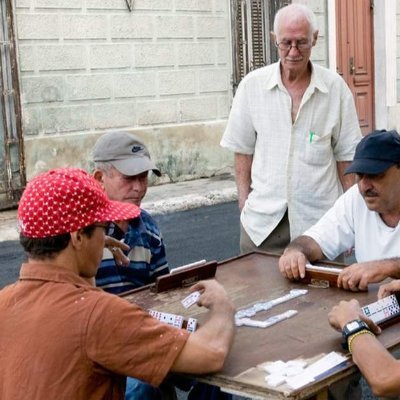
column 61, row 337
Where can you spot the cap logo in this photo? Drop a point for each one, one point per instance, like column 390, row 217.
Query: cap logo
column 135, row 149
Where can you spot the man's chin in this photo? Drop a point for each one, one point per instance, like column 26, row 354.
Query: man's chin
column 134, row 201
column 371, row 203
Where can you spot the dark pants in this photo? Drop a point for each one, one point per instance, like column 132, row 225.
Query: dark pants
column 276, row 242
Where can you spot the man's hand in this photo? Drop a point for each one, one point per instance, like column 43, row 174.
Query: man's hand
column 116, row 248
column 389, row 288
column 292, row 264
column 357, row 276
column 347, row 311
column 213, row 296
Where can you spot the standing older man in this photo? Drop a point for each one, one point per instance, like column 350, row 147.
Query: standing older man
column 122, row 165
column 293, row 128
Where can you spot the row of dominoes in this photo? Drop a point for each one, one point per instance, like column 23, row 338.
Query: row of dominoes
column 266, row 305
column 268, row 322
column 175, row 320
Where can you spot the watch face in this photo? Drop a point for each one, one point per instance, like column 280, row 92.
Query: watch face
column 352, row 325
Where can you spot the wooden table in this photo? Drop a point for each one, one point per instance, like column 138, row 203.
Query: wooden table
column 253, row 278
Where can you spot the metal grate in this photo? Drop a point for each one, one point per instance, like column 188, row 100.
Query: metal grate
column 12, row 173
column 252, row 20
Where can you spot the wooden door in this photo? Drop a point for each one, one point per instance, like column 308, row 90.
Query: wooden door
column 355, row 55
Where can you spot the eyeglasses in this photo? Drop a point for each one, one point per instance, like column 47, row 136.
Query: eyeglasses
column 286, row 45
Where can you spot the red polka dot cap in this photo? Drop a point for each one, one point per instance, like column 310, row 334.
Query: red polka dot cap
column 66, row 200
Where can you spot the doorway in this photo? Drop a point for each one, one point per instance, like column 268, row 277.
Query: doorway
column 354, row 51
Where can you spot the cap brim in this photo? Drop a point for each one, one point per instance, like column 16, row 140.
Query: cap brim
column 368, row 166
column 117, row 211
column 135, row 166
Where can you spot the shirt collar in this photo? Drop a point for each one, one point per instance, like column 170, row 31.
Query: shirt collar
column 49, row 272
column 315, row 83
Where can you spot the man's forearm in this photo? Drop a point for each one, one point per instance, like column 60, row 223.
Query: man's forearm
column 219, row 332
column 347, row 181
column 383, row 373
column 392, row 267
column 243, row 163
column 306, row 245
column 208, row 347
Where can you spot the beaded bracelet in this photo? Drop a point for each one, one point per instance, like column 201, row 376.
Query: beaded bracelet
column 352, row 337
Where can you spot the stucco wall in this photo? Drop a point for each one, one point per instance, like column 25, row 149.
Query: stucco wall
column 320, row 52
column 162, row 71
column 90, row 65
column 398, row 52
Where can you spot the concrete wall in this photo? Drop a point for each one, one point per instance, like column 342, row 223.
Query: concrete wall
column 162, row 71
column 398, row 50
column 320, row 52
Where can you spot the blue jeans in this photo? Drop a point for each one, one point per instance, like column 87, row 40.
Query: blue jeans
column 136, row 390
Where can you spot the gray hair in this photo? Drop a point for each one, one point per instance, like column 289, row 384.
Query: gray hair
column 297, row 10
column 104, row 166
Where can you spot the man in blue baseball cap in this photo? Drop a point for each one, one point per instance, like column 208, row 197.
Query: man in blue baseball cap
column 366, row 217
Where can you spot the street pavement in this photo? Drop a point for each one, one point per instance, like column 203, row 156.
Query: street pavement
column 161, row 199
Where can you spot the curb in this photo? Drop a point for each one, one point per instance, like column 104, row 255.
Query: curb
column 190, row 201
column 168, row 203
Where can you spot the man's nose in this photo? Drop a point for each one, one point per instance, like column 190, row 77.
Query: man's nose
column 364, row 182
column 137, row 184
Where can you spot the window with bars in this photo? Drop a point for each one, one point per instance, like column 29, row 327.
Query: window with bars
column 252, row 21
column 12, row 168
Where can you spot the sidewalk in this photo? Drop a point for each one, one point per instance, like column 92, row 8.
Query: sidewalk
column 160, row 199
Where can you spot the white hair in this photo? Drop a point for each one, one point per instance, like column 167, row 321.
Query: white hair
column 104, row 166
column 297, row 10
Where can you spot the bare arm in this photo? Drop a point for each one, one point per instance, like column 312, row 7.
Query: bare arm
column 207, row 348
column 347, row 181
column 300, row 251
column 358, row 276
column 243, row 164
column 377, row 365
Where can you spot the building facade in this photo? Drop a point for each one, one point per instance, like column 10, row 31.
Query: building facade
column 162, row 69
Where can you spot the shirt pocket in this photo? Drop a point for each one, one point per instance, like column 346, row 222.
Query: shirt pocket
column 318, row 150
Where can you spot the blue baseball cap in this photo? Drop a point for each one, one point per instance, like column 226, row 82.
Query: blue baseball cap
column 375, row 153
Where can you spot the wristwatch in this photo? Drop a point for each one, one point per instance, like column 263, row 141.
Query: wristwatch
column 351, row 328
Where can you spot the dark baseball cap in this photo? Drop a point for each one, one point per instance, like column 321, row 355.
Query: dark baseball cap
column 125, row 152
column 375, row 153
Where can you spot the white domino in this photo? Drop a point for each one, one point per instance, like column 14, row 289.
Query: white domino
column 383, row 309
column 268, row 322
column 174, row 320
column 266, row 305
column 191, row 325
column 170, row 319
column 191, row 299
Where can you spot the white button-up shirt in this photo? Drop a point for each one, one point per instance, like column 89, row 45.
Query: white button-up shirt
column 294, row 164
column 350, row 223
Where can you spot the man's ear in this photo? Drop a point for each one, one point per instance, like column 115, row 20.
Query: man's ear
column 272, row 36
column 315, row 38
column 77, row 239
column 98, row 175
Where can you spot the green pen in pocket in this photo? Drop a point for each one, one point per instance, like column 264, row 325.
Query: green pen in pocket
column 311, row 136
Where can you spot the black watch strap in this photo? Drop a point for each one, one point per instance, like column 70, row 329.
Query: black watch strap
column 351, row 328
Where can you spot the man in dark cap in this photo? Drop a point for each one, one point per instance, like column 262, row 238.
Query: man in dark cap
column 366, row 217
column 122, row 166
column 62, row 338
